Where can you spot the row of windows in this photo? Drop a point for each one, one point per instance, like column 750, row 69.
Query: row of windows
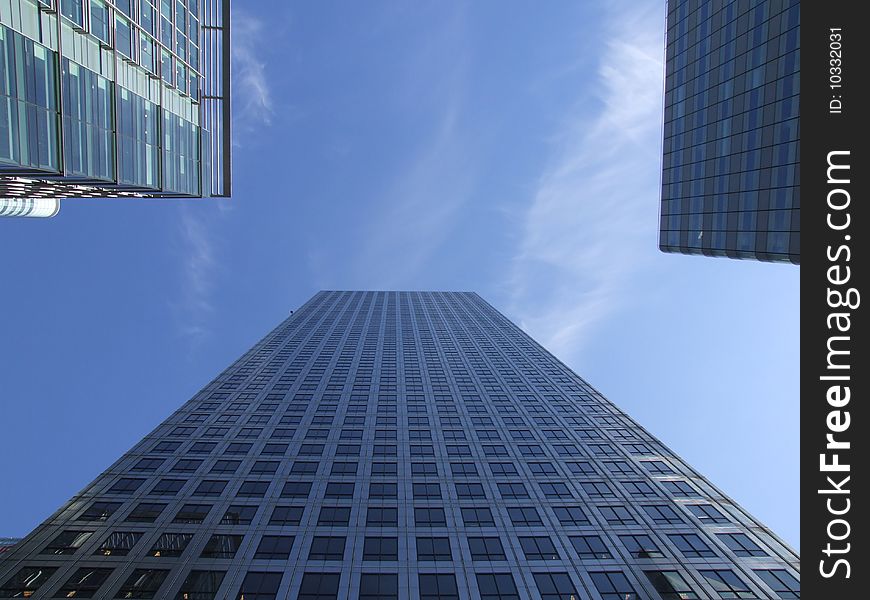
column 539, row 547
column 258, row 585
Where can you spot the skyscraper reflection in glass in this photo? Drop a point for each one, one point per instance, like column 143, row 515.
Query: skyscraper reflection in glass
column 114, row 98
column 730, row 173
column 382, row 445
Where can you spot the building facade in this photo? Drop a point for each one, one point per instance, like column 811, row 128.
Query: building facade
column 381, row 445
column 730, row 172
column 105, row 98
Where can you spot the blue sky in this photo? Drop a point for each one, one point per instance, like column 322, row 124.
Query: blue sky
column 496, row 147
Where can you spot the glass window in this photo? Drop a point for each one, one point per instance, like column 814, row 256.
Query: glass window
column 84, row 583
column 327, row 548
column 486, row 548
column 477, row 517
column 142, row 583
column 782, row 582
column 379, row 586
column 438, row 587
column 170, row 544
column 239, row 514
column 201, row 585
column 67, row 542
column 26, row 581
column 286, row 515
column 692, row 546
column 497, row 586
column 613, row 585
column 319, row 586
column 671, row 585
column 381, row 548
column 99, row 511
column 727, row 584
column 555, row 586
column 524, row 516
column 119, row 543
column 539, row 548
column 707, row 514
column 73, row 10
column 641, row 546
column 740, row 544
column 145, row 512
column 590, row 546
column 382, row 516
column 274, row 547
column 571, row 515
column 221, row 546
column 260, row 586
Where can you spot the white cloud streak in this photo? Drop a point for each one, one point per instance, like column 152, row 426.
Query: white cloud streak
column 194, row 307
column 252, row 97
column 594, row 212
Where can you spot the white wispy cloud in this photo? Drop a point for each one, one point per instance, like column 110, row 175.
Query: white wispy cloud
column 194, row 306
column 252, row 98
column 420, row 205
column 593, row 215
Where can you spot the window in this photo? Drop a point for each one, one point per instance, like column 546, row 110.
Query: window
column 681, row 489
column 239, row 514
column 486, row 548
column 99, row 511
column 497, row 586
column 513, row 490
column 226, row 467
column 663, row 515
column 286, row 515
column 210, row 488
column 311, row 449
column 274, row 449
column 379, row 586
column 381, row 548
column 127, row 485
column 477, row 517
column 571, row 515
column 741, row 545
column 202, row 585
column 186, row 465
column 707, row 514
column 463, row 469
column 344, row 468
column 142, row 583
column 539, row 548
column 147, row 465
column 613, row 585
column 782, row 582
column 727, row 584
column 641, row 546
column 524, row 516
column 617, row 515
column 433, row 548
column 67, row 542
column 221, row 546
column 339, row 490
column 274, row 547
column 470, row 490
column 658, row 467
column 192, row 513
column 424, row 469
column 542, row 468
column 145, row 512
column 380, row 516
column 119, row 543
column 581, row 468
column 430, row 517
column 327, row 548
column 170, row 544
column 296, row 489
column 380, row 469
column 427, row 490
column 383, row 490
column 84, row 583
column 438, row 587
column 166, row 447
column 266, row 467
column 555, row 586
column 238, row 448
column 319, row 586
column 671, row 585
column 692, row 546
column 301, row 467
column 253, row 489
column 590, row 546
column 597, row 490
column 26, row 581
column 555, row 490
column 639, row 489
column 260, row 586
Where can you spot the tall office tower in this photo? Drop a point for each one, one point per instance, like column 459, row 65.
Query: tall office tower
column 730, row 174
column 383, row 445
column 107, row 98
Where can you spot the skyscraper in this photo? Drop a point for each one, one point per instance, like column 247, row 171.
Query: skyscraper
column 385, row 445
column 103, row 98
column 730, row 173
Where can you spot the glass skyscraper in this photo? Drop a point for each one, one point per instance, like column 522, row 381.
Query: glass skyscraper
column 381, row 445
column 730, row 173
column 113, row 98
